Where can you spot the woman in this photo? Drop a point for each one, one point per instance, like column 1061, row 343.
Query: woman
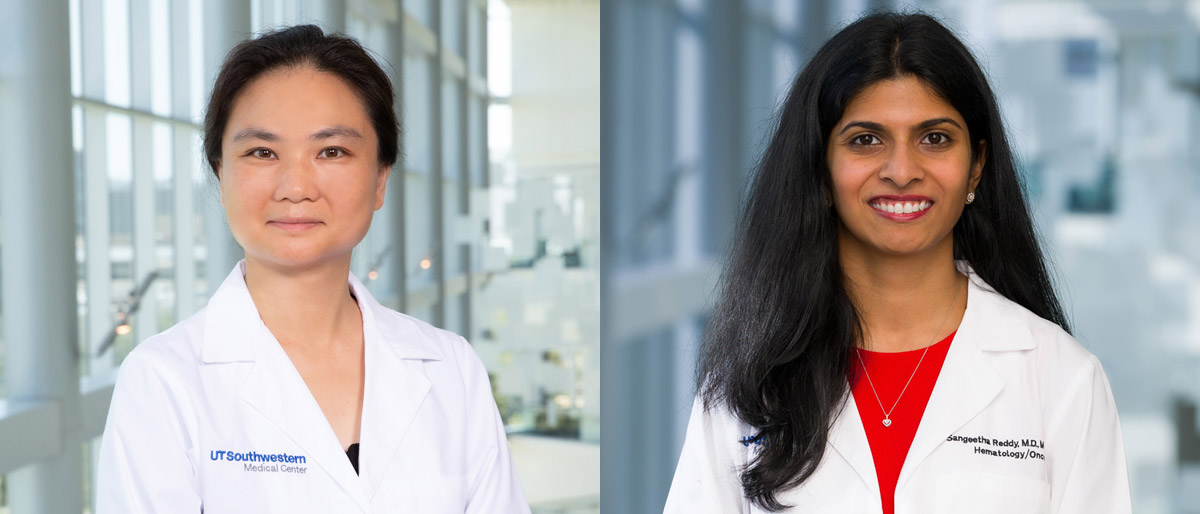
column 887, row 338
column 294, row 390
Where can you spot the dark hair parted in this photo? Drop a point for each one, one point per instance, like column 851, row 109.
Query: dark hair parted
column 295, row 47
column 779, row 342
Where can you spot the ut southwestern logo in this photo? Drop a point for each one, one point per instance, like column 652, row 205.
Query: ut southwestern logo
column 756, row 440
column 262, row 462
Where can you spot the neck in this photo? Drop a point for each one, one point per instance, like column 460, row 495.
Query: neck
column 303, row 308
column 904, row 302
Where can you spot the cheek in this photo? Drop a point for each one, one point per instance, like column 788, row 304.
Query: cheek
column 956, row 175
column 350, row 186
column 240, row 193
column 847, row 178
column 352, row 197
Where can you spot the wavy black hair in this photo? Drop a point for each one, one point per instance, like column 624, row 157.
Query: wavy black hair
column 778, row 344
column 295, row 47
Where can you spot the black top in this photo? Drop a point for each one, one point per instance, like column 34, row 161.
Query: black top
column 352, row 451
column 352, row 454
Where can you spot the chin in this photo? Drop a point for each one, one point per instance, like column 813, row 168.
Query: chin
column 298, row 258
column 904, row 248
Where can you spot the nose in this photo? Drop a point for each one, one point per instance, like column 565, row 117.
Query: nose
column 902, row 167
column 297, row 181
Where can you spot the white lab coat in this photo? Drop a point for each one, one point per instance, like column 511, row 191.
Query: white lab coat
column 193, row 403
column 1010, row 377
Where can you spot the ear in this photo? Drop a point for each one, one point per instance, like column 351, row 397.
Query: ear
column 381, row 185
column 977, row 166
column 220, row 185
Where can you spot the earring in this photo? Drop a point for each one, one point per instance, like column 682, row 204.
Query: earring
column 970, row 197
column 828, row 199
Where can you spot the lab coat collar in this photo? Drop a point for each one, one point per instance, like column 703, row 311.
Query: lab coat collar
column 395, row 348
column 231, row 312
column 1006, row 328
column 849, row 438
column 967, row 382
column 408, row 338
column 966, row 385
column 394, row 389
column 395, row 384
column 276, row 390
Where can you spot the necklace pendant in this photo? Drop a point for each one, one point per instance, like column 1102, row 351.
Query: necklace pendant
column 887, row 422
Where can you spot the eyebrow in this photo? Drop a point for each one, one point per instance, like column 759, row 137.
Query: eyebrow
column 336, row 130
column 870, row 125
column 255, row 133
column 325, row 133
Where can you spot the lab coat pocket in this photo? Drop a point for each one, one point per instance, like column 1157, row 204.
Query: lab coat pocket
column 991, row 493
column 435, row 495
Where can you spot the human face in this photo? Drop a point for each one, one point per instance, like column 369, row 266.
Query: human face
column 300, row 173
column 901, row 166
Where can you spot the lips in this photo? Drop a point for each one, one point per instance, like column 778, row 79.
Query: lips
column 901, row 208
column 295, row 223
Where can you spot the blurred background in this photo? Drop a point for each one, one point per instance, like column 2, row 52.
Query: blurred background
column 1102, row 101
column 111, row 231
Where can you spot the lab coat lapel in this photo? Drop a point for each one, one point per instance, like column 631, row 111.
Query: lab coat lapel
column 849, row 438
column 967, row 382
column 272, row 387
column 275, row 389
column 395, row 388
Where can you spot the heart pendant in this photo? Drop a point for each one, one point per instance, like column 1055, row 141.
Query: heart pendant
column 887, row 422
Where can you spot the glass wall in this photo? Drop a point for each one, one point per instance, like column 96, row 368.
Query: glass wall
column 536, row 309
column 151, row 241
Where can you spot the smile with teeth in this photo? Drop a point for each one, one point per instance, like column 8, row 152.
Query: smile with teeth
column 901, row 207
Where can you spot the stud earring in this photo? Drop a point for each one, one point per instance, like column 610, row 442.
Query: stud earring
column 828, row 199
column 970, row 197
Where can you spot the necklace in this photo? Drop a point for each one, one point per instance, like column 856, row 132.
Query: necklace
column 887, row 413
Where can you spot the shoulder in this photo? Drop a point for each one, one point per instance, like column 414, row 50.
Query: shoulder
column 161, row 375
column 1051, row 340
column 420, row 337
column 442, row 349
column 174, row 352
column 1009, row 325
column 1059, row 354
column 716, row 449
column 458, row 380
column 1060, row 361
column 721, row 426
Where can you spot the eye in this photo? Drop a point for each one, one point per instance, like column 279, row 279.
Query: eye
column 261, row 153
column 937, row 139
column 865, row 140
column 333, row 152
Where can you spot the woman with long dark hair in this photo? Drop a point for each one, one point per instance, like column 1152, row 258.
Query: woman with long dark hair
column 887, row 337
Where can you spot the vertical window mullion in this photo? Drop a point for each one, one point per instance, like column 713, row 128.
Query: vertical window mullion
column 436, row 176
column 91, row 35
column 183, row 225
column 395, row 209
column 144, row 263
column 96, row 233
column 92, row 45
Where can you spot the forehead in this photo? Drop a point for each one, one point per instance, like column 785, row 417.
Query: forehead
column 297, row 101
column 901, row 100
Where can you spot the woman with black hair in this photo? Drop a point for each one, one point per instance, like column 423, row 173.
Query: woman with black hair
column 887, row 338
column 294, row 390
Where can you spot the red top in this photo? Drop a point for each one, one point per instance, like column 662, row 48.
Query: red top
column 889, row 372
